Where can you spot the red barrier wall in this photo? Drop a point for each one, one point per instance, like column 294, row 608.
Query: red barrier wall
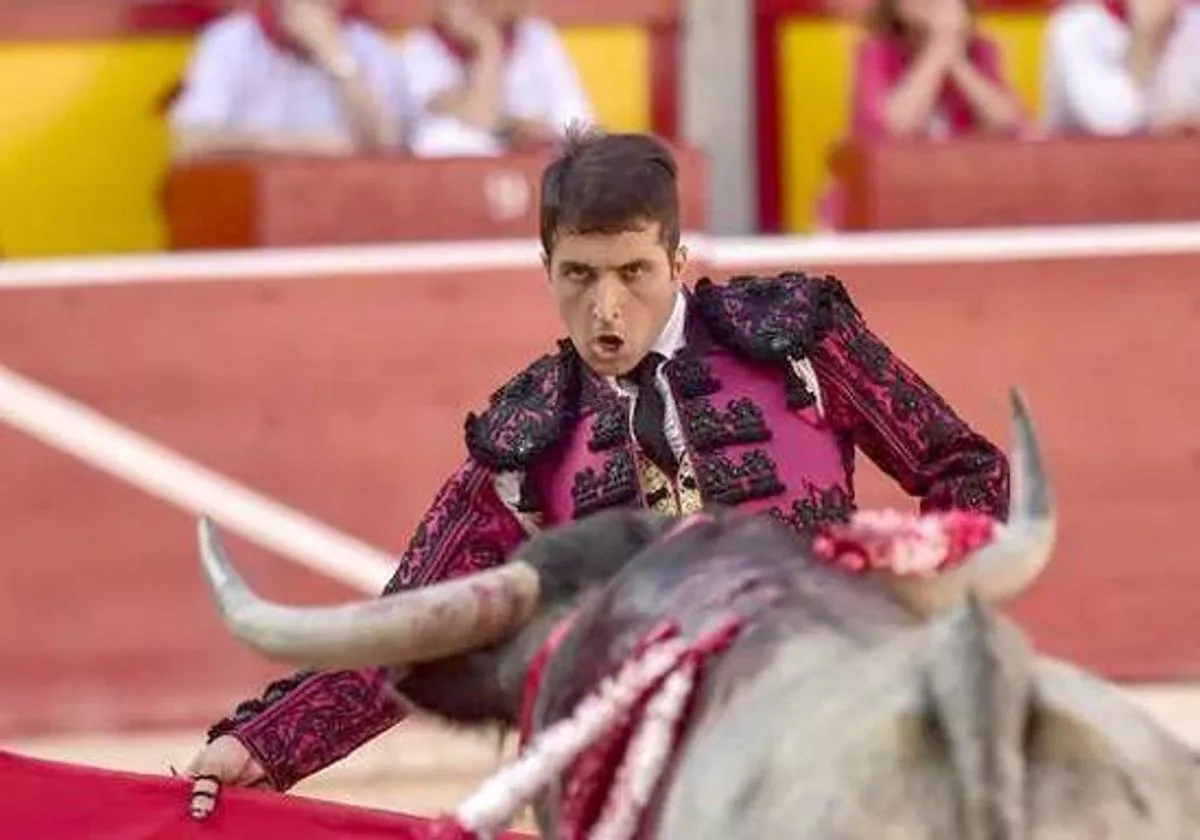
column 345, row 397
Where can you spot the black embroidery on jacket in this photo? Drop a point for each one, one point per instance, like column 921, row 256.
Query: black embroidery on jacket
column 529, row 414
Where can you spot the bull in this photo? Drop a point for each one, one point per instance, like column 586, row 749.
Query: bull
column 845, row 706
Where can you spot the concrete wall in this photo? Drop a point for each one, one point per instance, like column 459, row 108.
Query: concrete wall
column 718, row 105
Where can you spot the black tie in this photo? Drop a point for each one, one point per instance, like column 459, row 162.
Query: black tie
column 650, row 414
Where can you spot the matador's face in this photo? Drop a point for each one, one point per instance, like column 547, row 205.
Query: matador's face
column 615, row 293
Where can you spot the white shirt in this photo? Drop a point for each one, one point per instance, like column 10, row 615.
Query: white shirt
column 237, row 79
column 670, row 341
column 1086, row 87
column 540, row 83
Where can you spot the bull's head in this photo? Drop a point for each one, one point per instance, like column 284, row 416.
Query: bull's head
column 518, row 601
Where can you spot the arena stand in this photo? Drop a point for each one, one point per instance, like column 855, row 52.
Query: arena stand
column 100, row 71
column 803, row 53
column 303, row 398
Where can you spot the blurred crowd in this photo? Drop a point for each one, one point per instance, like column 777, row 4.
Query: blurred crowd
column 316, row 76
column 487, row 77
column 1110, row 68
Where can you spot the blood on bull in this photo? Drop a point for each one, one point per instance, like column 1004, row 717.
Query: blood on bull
column 821, row 702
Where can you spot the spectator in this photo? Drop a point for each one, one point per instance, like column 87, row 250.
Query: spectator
column 1122, row 67
column 486, row 78
column 925, row 72
column 291, row 76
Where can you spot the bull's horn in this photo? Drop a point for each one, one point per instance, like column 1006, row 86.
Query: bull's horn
column 1005, row 567
column 397, row 629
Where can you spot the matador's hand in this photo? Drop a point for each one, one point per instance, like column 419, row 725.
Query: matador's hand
column 225, row 761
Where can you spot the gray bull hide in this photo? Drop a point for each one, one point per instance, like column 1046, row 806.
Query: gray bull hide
column 848, row 707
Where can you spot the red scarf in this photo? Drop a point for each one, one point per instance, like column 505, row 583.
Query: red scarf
column 267, row 14
column 1119, row 9
column 463, row 49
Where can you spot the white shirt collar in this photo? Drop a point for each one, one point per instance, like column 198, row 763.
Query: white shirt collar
column 671, row 339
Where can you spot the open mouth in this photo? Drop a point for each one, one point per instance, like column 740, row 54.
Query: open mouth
column 610, row 343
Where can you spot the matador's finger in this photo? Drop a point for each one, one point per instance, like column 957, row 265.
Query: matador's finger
column 204, row 795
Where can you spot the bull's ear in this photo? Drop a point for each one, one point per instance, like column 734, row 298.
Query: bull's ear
column 1069, row 760
column 1055, row 735
column 1089, row 749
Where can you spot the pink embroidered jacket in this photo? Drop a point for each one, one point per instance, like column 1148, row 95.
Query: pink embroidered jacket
column 757, row 437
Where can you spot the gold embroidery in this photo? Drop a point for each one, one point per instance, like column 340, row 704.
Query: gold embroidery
column 657, row 491
column 690, row 500
column 673, row 498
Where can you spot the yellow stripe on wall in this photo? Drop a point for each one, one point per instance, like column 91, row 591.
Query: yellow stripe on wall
column 814, row 109
column 1020, row 38
column 815, row 59
column 614, row 63
column 83, row 147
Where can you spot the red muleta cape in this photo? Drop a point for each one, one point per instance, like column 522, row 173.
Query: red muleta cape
column 50, row 800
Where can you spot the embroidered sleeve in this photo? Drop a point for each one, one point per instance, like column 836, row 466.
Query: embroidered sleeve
column 470, row 527
column 902, row 424
column 312, row 719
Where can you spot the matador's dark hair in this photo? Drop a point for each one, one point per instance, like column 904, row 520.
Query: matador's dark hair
column 609, row 183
